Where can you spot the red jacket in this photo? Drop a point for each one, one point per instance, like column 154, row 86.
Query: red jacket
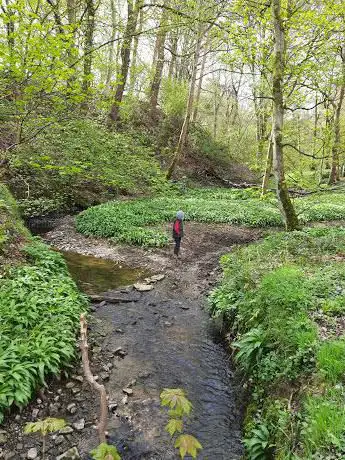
column 178, row 229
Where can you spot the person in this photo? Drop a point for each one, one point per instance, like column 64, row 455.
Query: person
column 178, row 232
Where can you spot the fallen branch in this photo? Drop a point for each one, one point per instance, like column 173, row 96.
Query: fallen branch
column 111, row 299
column 103, row 418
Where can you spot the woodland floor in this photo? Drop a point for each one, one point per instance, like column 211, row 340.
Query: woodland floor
column 169, row 341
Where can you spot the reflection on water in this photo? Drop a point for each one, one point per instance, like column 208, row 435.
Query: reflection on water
column 94, row 275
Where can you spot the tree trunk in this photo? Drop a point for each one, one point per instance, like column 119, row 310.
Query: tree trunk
column 336, row 147
column 198, row 90
column 88, row 44
column 172, row 64
column 286, row 207
column 111, row 46
column 132, row 15
column 268, row 169
column 133, row 70
column 159, row 64
column 189, row 108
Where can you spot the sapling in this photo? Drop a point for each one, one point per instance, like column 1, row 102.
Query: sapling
column 179, row 407
column 48, row 425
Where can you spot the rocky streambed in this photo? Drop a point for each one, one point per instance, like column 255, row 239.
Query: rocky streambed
column 140, row 344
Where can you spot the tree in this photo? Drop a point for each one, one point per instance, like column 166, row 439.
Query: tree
column 286, row 207
column 133, row 7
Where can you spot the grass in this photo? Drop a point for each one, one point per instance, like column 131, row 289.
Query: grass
column 280, row 298
column 131, row 221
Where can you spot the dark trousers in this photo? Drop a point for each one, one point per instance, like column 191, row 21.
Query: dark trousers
column 177, row 245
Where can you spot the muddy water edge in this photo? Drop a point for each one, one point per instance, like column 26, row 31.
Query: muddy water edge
column 167, row 340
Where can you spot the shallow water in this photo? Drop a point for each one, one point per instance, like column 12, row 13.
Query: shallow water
column 94, row 275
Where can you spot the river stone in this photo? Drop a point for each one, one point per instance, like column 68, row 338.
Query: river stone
column 72, row 408
column 59, row 440
column 141, row 287
column 71, row 454
column 80, row 425
column 32, row 453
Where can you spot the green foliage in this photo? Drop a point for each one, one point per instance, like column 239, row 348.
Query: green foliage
column 324, row 425
column 176, row 400
column 174, row 97
column 39, row 307
column 274, row 293
column 179, row 407
column 81, row 163
column 131, row 221
column 11, row 226
column 250, row 347
column 105, row 452
column 331, row 361
column 40, row 207
column 257, row 444
column 48, row 425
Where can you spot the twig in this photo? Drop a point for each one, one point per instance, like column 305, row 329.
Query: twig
column 103, row 418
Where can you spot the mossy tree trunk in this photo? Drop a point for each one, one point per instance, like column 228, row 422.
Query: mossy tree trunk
column 336, row 147
column 286, row 207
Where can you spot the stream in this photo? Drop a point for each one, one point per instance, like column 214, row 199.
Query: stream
column 170, row 342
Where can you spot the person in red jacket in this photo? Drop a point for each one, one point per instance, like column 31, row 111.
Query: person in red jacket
column 178, row 232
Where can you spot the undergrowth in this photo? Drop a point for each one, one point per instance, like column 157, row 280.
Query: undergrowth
column 282, row 298
column 132, row 221
column 39, row 309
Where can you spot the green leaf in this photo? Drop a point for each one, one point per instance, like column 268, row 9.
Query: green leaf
column 173, row 426
column 188, row 445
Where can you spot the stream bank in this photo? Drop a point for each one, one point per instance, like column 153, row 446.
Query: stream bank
column 166, row 340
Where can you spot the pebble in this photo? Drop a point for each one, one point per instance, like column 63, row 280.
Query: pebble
column 70, row 385
column 119, row 331
column 80, row 425
column 75, row 390
column 32, row 453
column 66, row 430
column 79, row 378
column 71, row 454
column 127, row 391
column 103, row 303
column 120, row 352
column 125, row 399
column 112, row 407
column 72, row 408
column 167, row 324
